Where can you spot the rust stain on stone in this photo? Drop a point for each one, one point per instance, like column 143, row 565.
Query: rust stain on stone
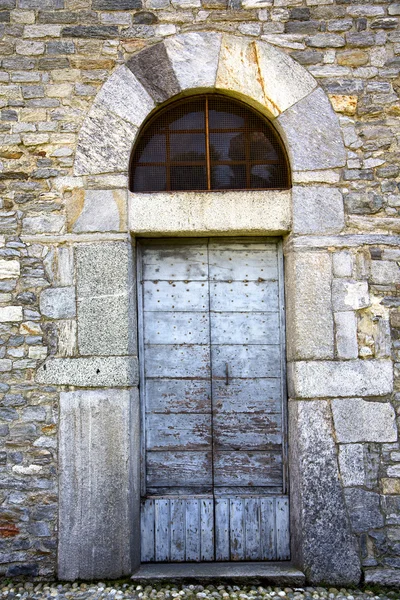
column 11, row 154
column 120, row 201
column 7, row 531
column 74, row 205
column 48, row 429
column 272, row 107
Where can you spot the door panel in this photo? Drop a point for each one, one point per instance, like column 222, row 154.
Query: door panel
column 213, row 432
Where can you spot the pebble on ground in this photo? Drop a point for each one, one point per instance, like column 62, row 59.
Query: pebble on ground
column 120, row 591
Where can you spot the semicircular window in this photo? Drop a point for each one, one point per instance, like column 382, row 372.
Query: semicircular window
column 208, row 142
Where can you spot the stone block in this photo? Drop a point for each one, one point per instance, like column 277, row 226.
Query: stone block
column 153, row 69
column 9, row 269
column 98, row 476
column 364, row 509
column 98, row 371
column 105, row 295
column 329, row 379
column 52, row 223
column 184, row 51
column 116, row 4
column 326, row 176
column 346, row 334
column 351, row 464
column 125, row 96
column 105, row 143
column 309, row 312
column 349, row 295
column 342, row 264
column 322, row 540
column 317, row 210
column 312, row 134
column 97, row 210
column 385, row 272
column 58, row 303
column 10, row 314
column 386, row 577
column 192, row 213
column 391, row 485
column 238, row 70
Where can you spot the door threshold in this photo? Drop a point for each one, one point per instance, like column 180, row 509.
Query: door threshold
column 273, row 573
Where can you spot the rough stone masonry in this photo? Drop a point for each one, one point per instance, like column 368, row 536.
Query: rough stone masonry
column 65, row 264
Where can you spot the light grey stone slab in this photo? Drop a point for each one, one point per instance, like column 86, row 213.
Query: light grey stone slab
column 194, row 58
column 102, row 210
column 364, row 509
column 359, row 421
column 105, row 299
column 53, row 223
column 188, row 213
column 317, row 209
column 322, row 541
column 284, row 81
column 389, row 577
column 346, row 334
column 98, row 484
column 312, row 134
column 124, row 95
column 105, row 143
column 349, row 295
column 97, row 371
column 325, row 176
column 9, row 269
column 342, row 264
column 385, row 272
column 65, row 265
column 319, row 379
column 308, row 300
column 351, row 463
column 58, row 303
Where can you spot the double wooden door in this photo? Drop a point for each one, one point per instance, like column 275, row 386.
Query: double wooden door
column 213, row 400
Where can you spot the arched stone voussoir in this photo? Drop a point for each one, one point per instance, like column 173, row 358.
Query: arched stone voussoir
column 312, row 135
column 258, row 70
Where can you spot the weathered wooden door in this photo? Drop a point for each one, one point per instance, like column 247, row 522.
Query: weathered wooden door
column 213, row 400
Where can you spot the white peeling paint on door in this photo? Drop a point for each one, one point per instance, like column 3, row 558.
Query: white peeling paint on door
column 213, row 400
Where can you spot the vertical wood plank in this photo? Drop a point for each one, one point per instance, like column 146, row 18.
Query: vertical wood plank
column 237, row 529
column 162, row 530
column 207, row 529
column 222, row 529
column 252, row 528
column 193, row 530
column 147, row 531
column 178, row 519
column 268, row 535
column 282, row 529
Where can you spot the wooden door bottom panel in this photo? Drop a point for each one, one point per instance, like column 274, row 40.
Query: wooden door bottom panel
column 224, row 529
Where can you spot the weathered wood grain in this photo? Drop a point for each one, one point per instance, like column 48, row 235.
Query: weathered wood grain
column 178, row 396
column 245, row 328
column 176, row 328
column 268, row 529
column 253, row 395
column 245, row 361
column 178, row 468
column 193, row 529
column 239, row 296
column 147, row 532
column 247, row 468
column 162, row 529
column 237, row 529
column 178, row 529
column 206, row 529
column 167, row 360
column 247, row 431
column 252, row 528
column 239, row 265
column 222, row 529
column 187, row 261
column 178, row 432
column 282, row 529
column 175, row 295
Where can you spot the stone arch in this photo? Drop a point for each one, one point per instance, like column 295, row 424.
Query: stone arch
column 254, row 71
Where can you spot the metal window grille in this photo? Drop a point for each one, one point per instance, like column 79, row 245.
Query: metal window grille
column 208, row 142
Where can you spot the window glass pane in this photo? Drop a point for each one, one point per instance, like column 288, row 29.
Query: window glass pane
column 227, row 146
column 188, row 178
column 187, row 147
column 150, row 179
column 263, row 176
column 224, row 114
column 154, row 150
column 260, row 147
column 229, row 177
column 189, row 115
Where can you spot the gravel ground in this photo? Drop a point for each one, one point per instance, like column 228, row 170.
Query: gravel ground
column 120, row 591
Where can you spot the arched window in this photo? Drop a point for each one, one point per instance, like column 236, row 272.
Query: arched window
column 208, row 142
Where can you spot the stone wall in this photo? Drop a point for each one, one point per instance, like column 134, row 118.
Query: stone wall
column 60, row 227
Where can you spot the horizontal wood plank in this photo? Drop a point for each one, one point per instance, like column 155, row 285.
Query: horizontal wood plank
column 178, row 396
column 178, row 432
column 245, row 328
column 247, row 468
column 169, row 327
column 245, row 361
column 177, row 361
column 247, row 431
column 175, row 295
column 178, row 468
column 246, row 264
column 187, row 261
column 238, row 296
column 253, row 395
